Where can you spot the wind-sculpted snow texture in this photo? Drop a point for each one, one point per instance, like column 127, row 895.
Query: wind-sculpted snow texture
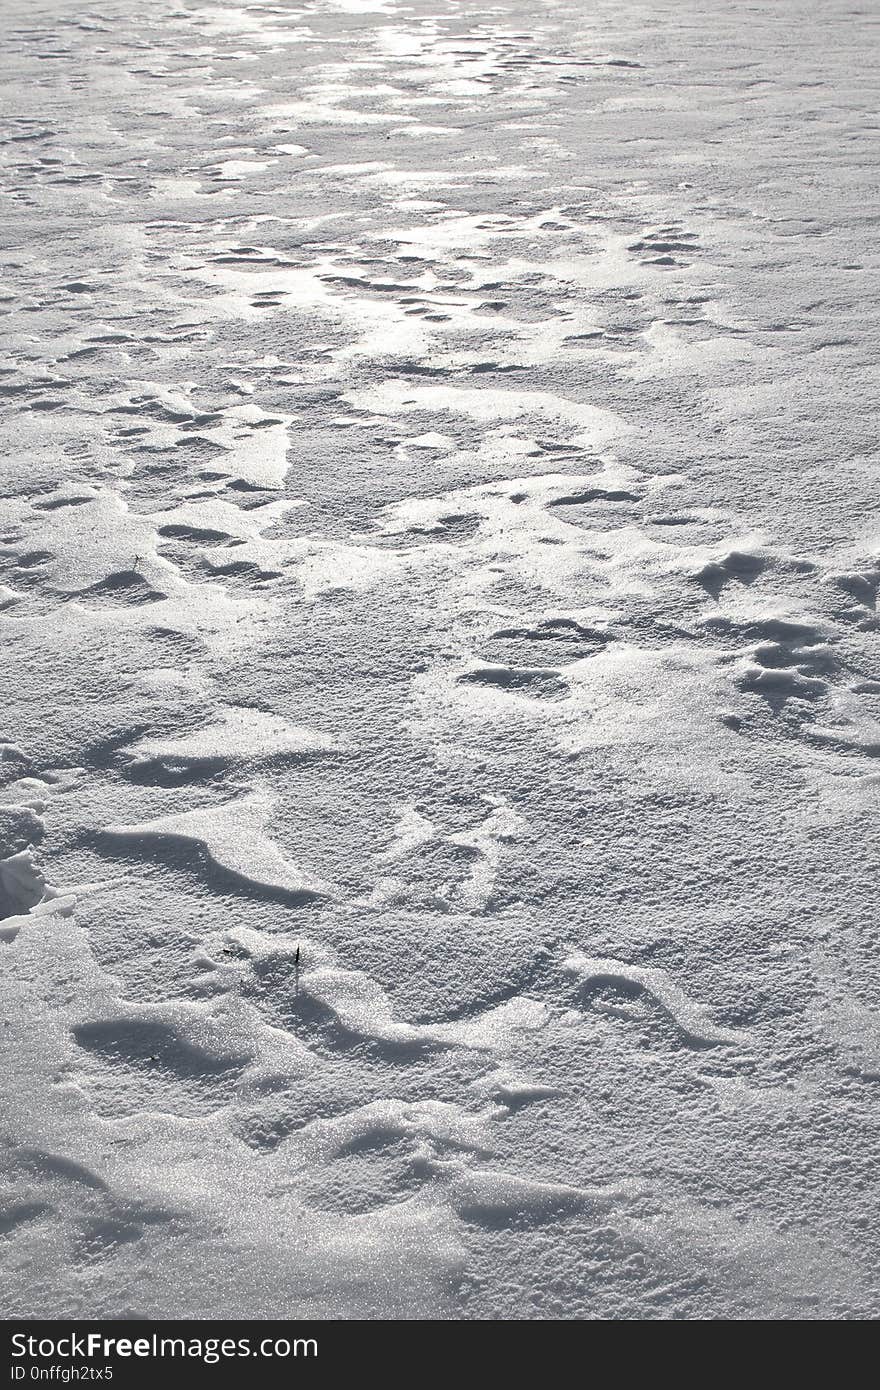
column 441, row 703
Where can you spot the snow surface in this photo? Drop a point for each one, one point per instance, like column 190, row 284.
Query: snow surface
column 441, row 704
